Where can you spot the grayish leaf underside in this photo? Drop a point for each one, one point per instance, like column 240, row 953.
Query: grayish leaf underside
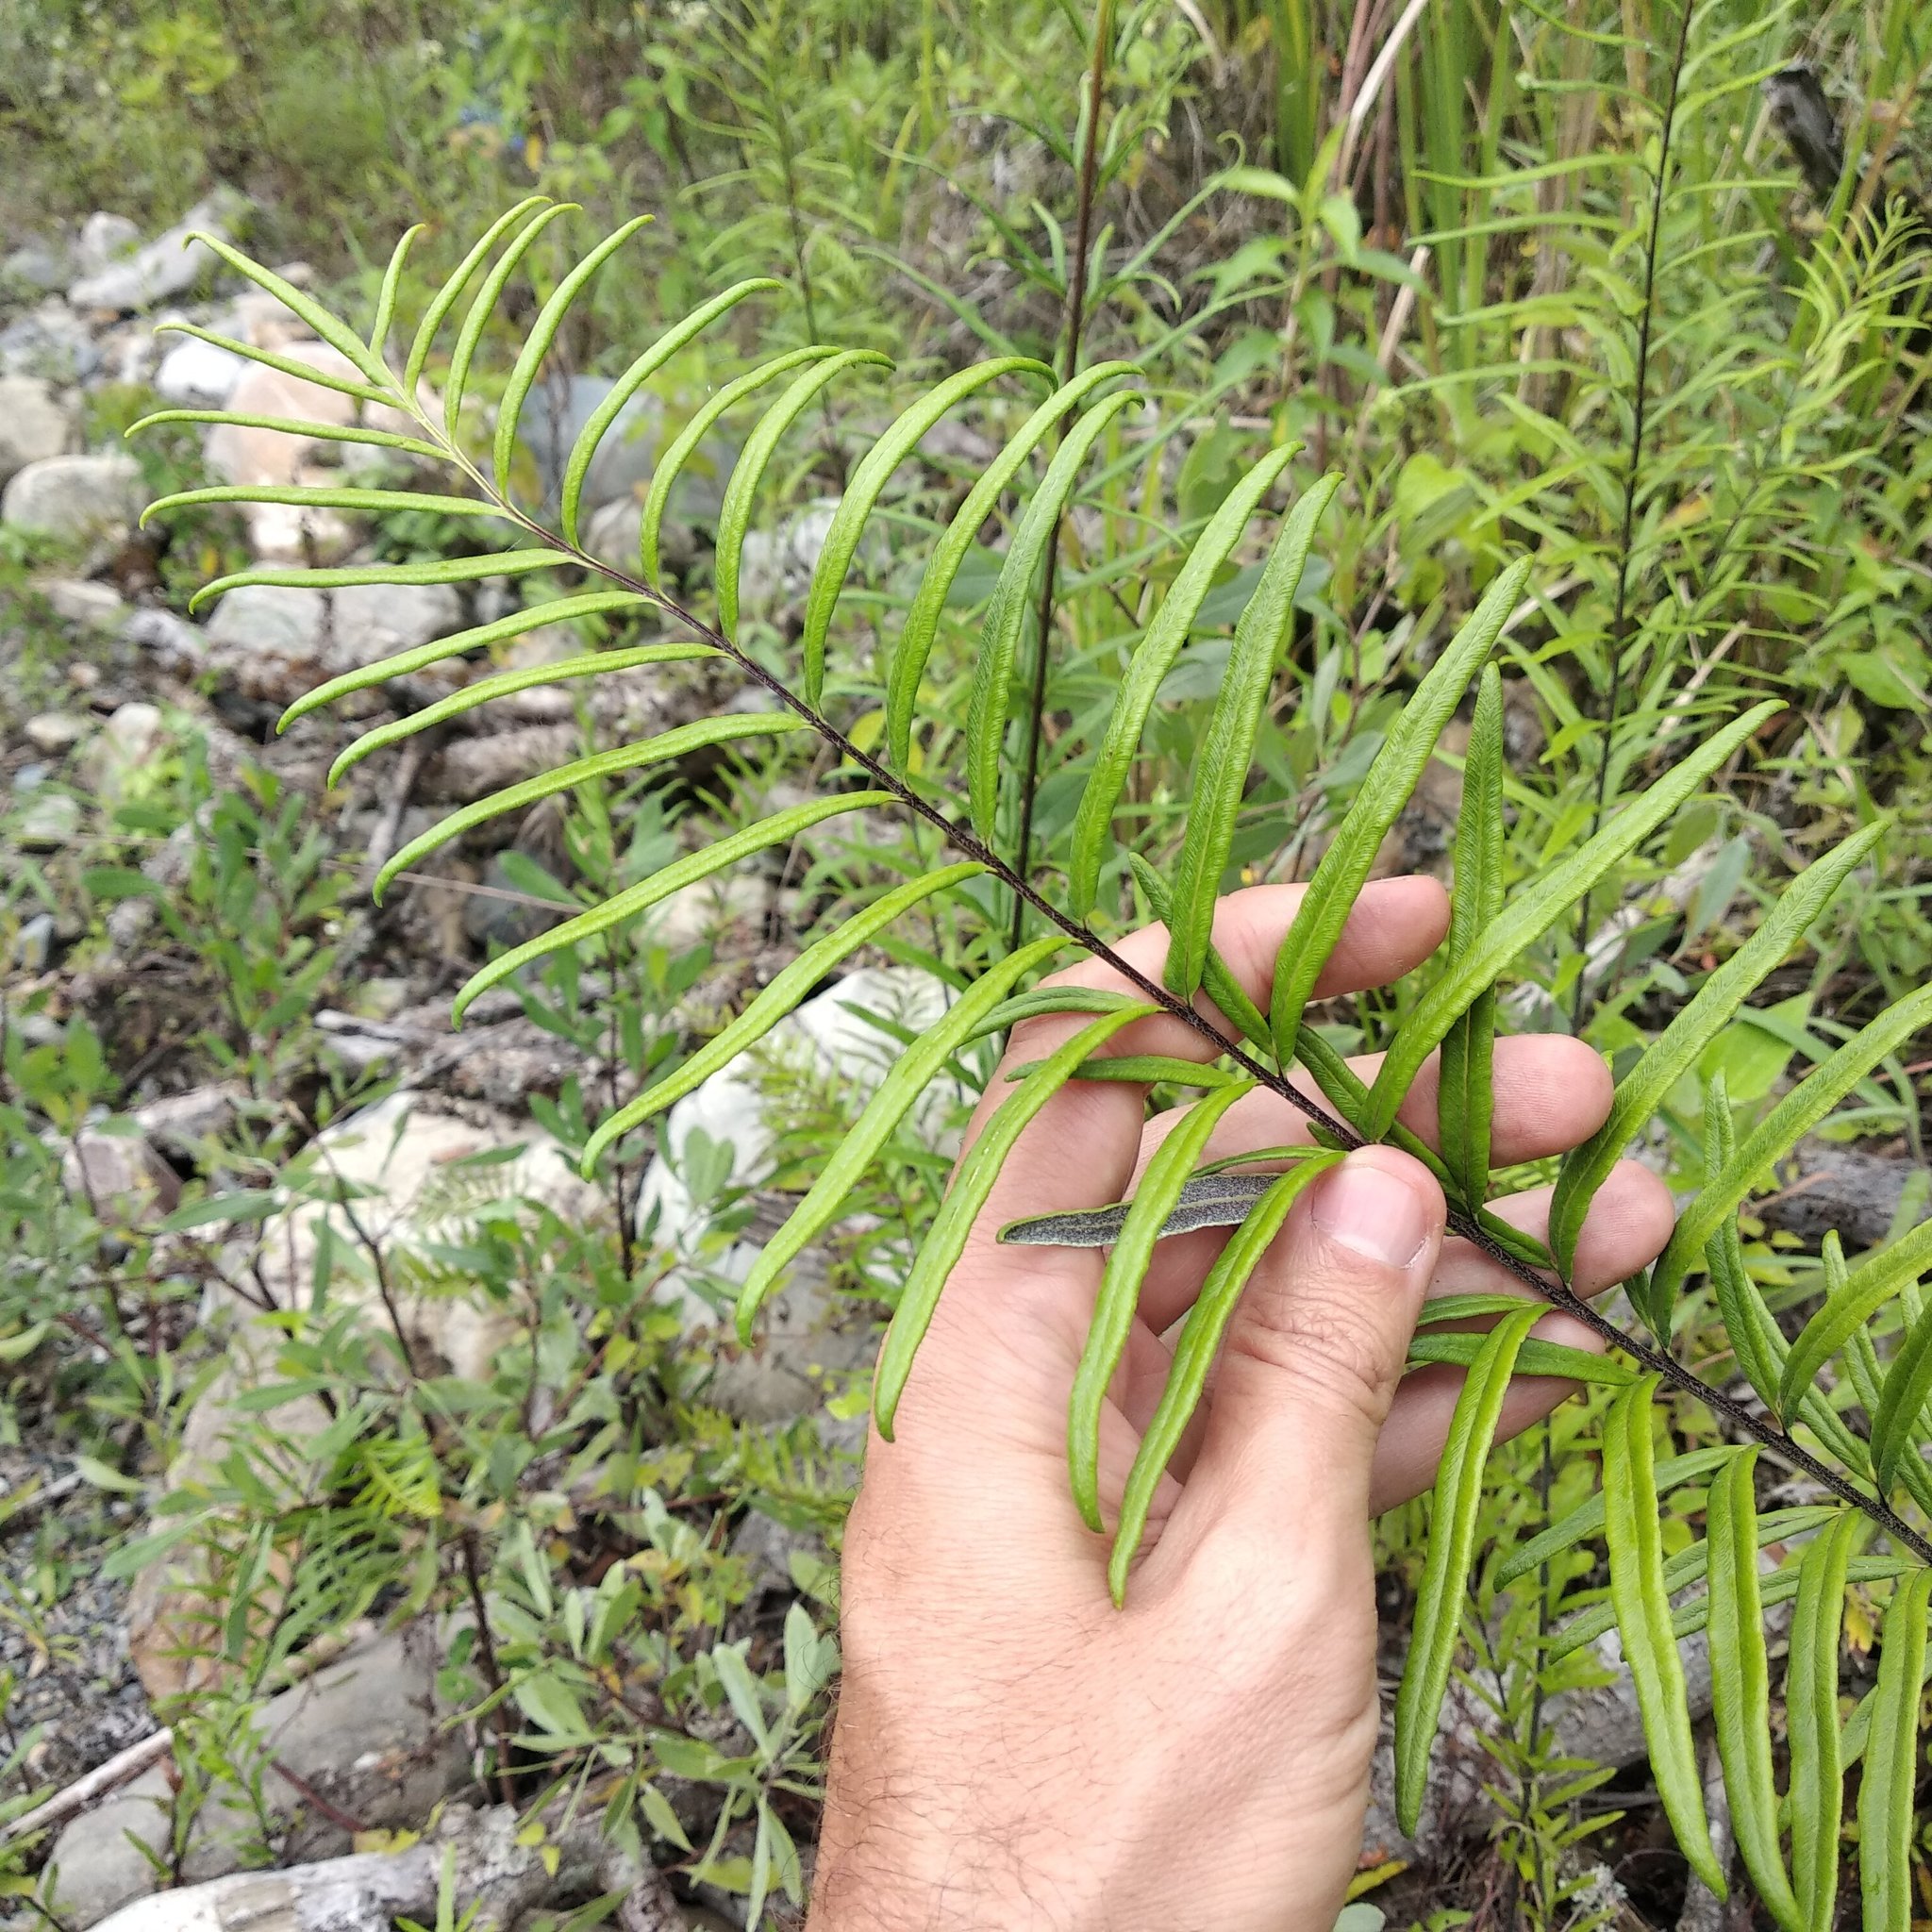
column 1209, row 1200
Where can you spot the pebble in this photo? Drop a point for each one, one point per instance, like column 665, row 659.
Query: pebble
column 54, row 732
column 33, row 425
column 197, row 376
column 48, row 823
column 74, row 499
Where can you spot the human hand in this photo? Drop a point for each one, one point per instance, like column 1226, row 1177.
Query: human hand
column 1012, row 1751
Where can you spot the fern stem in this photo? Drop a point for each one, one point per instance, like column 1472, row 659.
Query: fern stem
column 1620, row 616
column 1069, row 363
column 1558, row 1293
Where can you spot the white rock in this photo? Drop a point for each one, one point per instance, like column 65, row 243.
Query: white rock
column 74, row 499
column 51, row 733
column 85, row 604
column 169, row 265
column 51, row 819
column 271, row 455
column 411, row 1157
column 366, row 1731
column 33, row 425
column 826, row 1039
column 177, row 1123
column 370, row 622
column 104, row 240
column 265, row 640
column 124, row 750
column 179, row 648
column 120, row 1176
column 197, row 376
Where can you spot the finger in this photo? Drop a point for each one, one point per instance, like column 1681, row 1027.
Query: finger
column 1552, row 1093
column 1628, row 1224
column 1310, row 1362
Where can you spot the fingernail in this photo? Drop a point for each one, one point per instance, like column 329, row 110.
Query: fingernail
column 1362, row 1206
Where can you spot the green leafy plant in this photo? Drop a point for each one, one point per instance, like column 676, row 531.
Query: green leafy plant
column 1874, row 1479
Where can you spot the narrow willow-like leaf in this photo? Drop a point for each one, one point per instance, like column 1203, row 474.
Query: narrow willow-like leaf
column 684, row 443
column 733, row 519
column 1740, row 1684
column 523, row 375
column 1207, row 1199
column 470, row 336
column 1780, row 1586
column 287, row 365
column 792, row 984
column 1642, row 1602
column 446, row 297
column 1902, row 1402
column 1452, row 1517
column 1817, row 1778
column 293, row 425
column 1153, row 659
column 1677, row 1048
column 777, row 830
column 1726, row 1190
column 1155, row 1199
column 330, row 329
column 1871, row 1286
column 1892, row 1762
column 532, row 617
column 1217, row 976
column 583, row 451
column 1051, row 999
column 1465, row 1096
column 1687, row 1569
column 912, row 1073
column 915, row 648
column 862, row 495
column 1144, row 1068
column 972, row 1182
column 1467, row 1308
column 390, row 292
column 1587, row 1521
column 1535, row 908
column 1221, row 767
column 505, row 683
column 1536, row 1358
column 729, row 728
column 444, row 570
column 999, row 636
column 301, row 496
column 1391, row 780
column 1193, row 1359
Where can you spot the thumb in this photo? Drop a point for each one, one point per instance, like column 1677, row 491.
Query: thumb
column 1314, row 1351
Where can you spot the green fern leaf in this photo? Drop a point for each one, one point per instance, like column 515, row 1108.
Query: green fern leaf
column 446, row 297
column 391, row 292
column 1817, row 1783
column 470, row 337
column 1889, row 1784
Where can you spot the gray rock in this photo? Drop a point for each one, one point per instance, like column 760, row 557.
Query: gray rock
column 365, row 1732
column 33, row 425
column 1857, row 1193
column 54, row 732
column 105, row 239
column 178, row 1123
column 369, row 622
column 265, row 641
column 84, row 605
column 48, row 823
column 74, row 499
column 170, row 264
column 120, row 1176
column 554, row 414
column 33, row 944
column 197, row 376
column 180, row 648
column 35, row 268
column 50, row 341
column 775, row 566
column 124, row 750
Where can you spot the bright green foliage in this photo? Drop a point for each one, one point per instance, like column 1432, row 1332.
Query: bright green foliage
column 889, row 741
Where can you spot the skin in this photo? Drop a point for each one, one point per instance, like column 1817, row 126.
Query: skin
column 1010, row 1751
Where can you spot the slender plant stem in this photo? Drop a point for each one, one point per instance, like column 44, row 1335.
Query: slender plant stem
column 1069, row 363
column 1627, row 542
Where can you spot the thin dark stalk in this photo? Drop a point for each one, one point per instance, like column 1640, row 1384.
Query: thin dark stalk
column 1069, row 363
column 1619, row 618
column 1558, row 1293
